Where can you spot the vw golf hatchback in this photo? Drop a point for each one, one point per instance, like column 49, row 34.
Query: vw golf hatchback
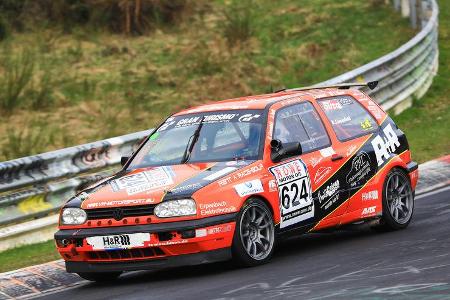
column 225, row 180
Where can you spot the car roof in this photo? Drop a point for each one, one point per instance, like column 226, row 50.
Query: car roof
column 261, row 101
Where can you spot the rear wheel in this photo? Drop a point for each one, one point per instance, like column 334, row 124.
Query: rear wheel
column 398, row 201
column 100, row 277
column 254, row 237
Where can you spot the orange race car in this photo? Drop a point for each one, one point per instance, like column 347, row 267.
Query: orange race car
column 226, row 180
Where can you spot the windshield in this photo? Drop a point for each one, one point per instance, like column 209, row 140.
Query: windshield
column 203, row 137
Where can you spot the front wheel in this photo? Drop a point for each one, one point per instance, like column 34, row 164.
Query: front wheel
column 254, row 237
column 398, row 201
column 100, row 276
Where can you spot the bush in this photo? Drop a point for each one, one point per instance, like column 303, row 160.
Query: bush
column 18, row 72
column 21, row 143
column 122, row 16
column 239, row 22
column 4, row 29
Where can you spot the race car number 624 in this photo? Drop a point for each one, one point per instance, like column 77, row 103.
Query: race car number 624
column 294, row 188
column 286, row 193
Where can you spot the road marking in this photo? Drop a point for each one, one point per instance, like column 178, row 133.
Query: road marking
column 440, row 190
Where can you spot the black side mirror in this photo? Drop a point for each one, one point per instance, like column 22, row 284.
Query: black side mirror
column 280, row 150
column 123, row 160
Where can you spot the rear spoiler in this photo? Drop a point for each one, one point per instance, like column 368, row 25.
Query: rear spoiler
column 342, row 86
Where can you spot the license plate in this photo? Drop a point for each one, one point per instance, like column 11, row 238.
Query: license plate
column 120, row 241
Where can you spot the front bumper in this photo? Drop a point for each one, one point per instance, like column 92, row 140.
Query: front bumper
column 151, row 264
column 169, row 245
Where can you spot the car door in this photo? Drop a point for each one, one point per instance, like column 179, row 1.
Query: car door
column 304, row 191
column 353, row 127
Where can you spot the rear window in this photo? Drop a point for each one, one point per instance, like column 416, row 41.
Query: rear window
column 347, row 117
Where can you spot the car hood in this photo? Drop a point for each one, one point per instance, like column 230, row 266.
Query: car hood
column 153, row 185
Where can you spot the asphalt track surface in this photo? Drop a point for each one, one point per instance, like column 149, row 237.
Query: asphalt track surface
column 363, row 264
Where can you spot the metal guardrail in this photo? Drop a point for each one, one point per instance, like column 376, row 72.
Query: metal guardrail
column 37, row 185
column 406, row 72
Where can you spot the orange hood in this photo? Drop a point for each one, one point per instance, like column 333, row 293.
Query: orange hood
column 152, row 185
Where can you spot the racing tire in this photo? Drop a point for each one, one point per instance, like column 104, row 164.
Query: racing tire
column 397, row 200
column 254, row 236
column 100, row 277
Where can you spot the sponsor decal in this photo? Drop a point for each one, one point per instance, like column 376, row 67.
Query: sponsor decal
column 212, row 230
column 331, row 104
column 186, row 188
column 345, row 101
column 249, row 187
column 314, row 161
column 294, row 192
column 385, row 144
column 248, row 117
column 341, row 121
column 188, row 121
column 120, row 203
column 366, row 124
column 329, row 195
column 321, row 174
column 168, row 243
column 219, row 173
column 240, row 174
column 219, row 118
column 372, row 195
column 350, row 150
column 169, row 122
column 273, row 186
column 368, row 211
column 154, row 136
column 326, row 152
column 144, row 181
column 360, row 169
column 215, row 208
column 121, row 241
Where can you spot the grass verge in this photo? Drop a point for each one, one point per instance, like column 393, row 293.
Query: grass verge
column 28, row 255
column 104, row 84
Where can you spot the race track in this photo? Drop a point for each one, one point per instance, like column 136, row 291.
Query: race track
column 408, row 264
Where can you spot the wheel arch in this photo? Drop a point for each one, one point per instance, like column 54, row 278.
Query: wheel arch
column 265, row 200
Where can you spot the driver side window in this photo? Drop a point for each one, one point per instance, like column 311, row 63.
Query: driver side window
column 301, row 123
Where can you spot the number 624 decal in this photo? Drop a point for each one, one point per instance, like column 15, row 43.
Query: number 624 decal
column 295, row 195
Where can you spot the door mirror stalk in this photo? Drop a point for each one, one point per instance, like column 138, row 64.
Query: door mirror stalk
column 281, row 150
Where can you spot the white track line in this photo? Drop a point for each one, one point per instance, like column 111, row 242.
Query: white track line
column 440, row 190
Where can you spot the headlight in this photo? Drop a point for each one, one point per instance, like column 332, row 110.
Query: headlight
column 73, row 216
column 176, row 208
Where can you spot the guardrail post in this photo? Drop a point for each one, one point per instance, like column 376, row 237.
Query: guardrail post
column 413, row 13
column 405, row 8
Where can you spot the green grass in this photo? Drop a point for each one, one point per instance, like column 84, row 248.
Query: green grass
column 426, row 124
column 28, row 255
column 104, row 84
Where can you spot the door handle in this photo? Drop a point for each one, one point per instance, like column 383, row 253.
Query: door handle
column 336, row 157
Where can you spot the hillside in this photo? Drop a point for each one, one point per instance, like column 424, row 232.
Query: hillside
column 426, row 123
column 62, row 88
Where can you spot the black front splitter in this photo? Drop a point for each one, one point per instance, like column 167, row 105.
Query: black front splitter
column 149, row 264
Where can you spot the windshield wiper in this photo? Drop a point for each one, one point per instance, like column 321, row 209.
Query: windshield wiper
column 192, row 140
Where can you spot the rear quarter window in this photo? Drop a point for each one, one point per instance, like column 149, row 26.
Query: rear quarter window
column 348, row 117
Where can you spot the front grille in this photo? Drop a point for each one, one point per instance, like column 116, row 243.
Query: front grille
column 125, row 253
column 129, row 211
